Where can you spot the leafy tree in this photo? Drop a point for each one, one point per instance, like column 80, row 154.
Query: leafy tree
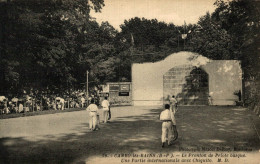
column 99, row 50
column 147, row 32
column 39, row 41
column 241, row 20
column 210, row 40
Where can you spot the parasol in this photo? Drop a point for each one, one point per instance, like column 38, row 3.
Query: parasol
column 15, row 99
column 81, row 94
column 2, row 98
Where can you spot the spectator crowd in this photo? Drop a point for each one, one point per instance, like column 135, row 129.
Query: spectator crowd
column 37, row 101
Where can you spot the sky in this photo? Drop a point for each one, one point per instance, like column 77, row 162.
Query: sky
column 169, row 11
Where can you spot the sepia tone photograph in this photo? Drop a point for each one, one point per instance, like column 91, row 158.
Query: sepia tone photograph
column 130, row 81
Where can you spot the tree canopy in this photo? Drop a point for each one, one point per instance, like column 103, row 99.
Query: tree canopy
column 51, row 43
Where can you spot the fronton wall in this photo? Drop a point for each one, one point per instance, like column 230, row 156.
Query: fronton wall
column 224, row 78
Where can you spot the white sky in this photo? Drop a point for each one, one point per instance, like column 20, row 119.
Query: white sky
column 169, row 11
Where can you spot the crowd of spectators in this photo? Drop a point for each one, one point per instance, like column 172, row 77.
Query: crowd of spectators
column 34, row 100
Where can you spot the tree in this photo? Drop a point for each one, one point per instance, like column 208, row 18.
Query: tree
column 147, row 32
column 210, row 40
column 241, row 20
column 39, row 41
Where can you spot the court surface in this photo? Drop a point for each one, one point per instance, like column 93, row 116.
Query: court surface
column 65, row 137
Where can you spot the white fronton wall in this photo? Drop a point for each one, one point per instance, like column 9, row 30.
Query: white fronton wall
column 224, row 78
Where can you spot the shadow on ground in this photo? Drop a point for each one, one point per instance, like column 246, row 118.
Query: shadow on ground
column 199, row 128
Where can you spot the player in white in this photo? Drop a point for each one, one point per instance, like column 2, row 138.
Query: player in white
column 173, row 108
column 167, row 119
column 210, row 100
column 82, row 101
column 93, row 115
column 105, row 104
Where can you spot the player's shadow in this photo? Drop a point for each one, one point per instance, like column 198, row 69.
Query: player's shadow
column 198, row 127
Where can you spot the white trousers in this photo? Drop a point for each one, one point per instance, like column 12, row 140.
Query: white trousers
column 173, row 110
column 166, row 131
column 93, row 122
column 105, row 114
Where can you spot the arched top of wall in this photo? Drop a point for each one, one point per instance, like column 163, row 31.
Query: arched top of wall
column 183, row 58
column 186, row 57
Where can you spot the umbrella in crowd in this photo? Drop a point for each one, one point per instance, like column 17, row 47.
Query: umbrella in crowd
column 81, row 94
column 21, row 99
column 28, row 98
column 2, row 98
column 15, row 99
column 59, row 99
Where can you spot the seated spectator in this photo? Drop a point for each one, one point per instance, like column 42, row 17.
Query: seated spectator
column 38, row 105
column 11, row 107
column 20, row 106
column 14, row 105
column 6, row 110
column 77, row 105
column 72, row 104
column 60, row 103
column 3, row 105
column 52, row 105
column 28, row 104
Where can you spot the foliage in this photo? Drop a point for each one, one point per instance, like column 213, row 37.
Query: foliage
column 241, row 20
column 39, row 42
column 210, row 40
column 51, row 43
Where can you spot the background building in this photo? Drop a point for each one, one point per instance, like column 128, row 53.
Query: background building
column 118, row 93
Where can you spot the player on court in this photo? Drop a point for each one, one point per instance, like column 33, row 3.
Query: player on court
column 93, row 115
column 105, row 104
column 173, row 108
column 167, row 119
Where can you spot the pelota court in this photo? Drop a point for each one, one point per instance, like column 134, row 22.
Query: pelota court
column 65, row 137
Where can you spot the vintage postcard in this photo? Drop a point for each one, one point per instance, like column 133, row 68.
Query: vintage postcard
column 130, row 81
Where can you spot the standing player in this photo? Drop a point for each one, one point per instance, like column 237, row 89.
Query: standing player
column 106, row 107
column 166, row 118
column 173, row 108
column 210, row 100
column 173, row 103
column 82, row 101
column 93, row 115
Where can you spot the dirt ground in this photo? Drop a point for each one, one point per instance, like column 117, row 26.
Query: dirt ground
column 65, row 137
